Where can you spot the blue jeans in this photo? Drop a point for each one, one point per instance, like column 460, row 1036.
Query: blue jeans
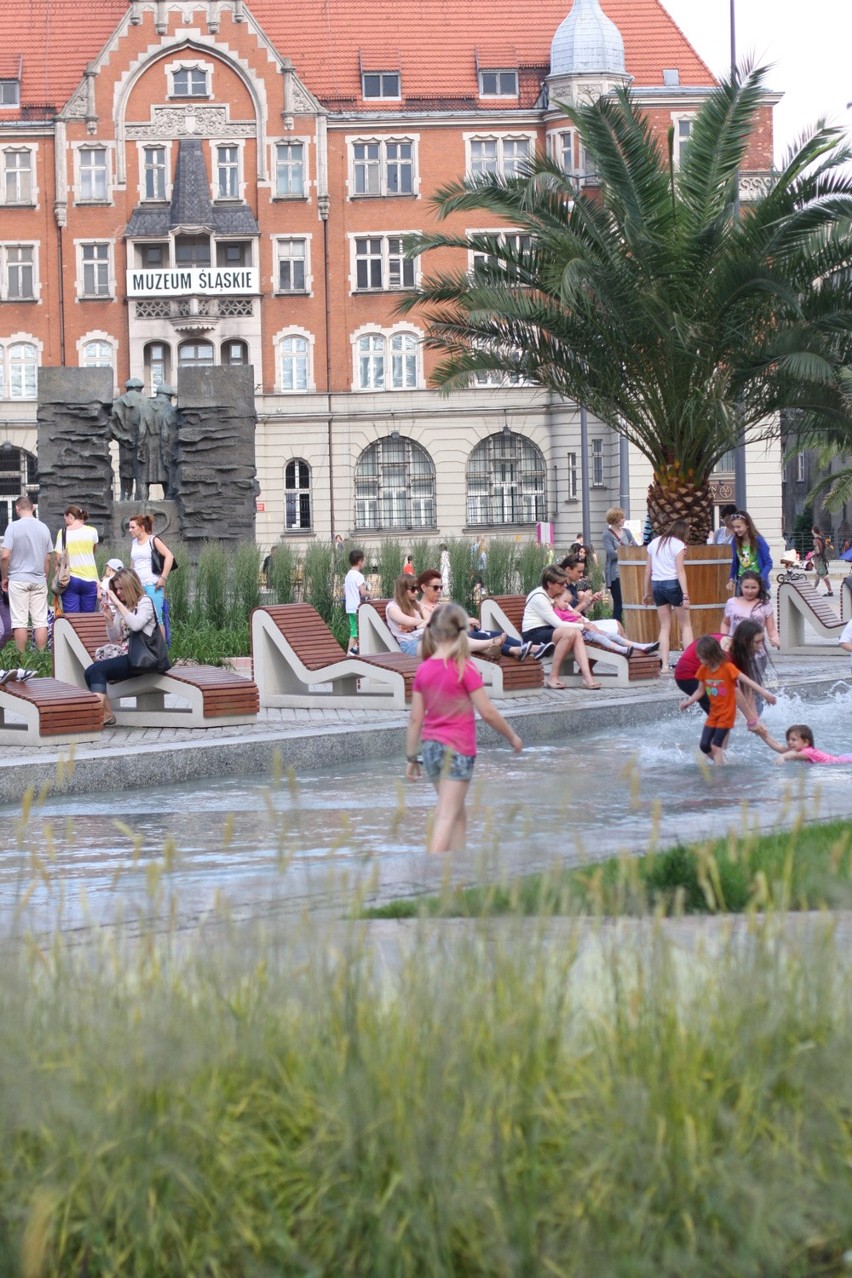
column 113, row 670
column 495, row 634
column 80, row 596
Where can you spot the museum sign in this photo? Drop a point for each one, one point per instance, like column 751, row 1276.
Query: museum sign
column 214, row 281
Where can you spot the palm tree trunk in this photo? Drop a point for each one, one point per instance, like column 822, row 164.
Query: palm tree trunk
column 679, row 499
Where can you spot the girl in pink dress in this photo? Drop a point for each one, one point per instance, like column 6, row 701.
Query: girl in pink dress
column 447, row 689
column 800, row 746
column 751, row 605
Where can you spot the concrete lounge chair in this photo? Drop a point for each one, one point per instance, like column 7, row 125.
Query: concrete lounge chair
column 505, row 612
column 207, row 695
column 506, row 678
column 53, row 713
column 799, row 603
column 298, row 662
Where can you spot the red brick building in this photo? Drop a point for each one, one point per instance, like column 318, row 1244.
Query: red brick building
column 218, row 182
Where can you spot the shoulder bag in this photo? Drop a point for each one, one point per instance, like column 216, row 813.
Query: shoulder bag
column 158, row 559
column 62, row 575
column 148, row 653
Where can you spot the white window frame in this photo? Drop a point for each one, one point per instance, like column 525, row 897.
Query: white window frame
column 159, row 371
column 389, row 363
column 572, row 478
column 81, row 148
column 500, row 234
column 390, row 263
column 12, row 101
column 561, row 142
column 103, row 339
column 679, row 118
column 296, row 493
column 501, row 140
column 5, row 153
column 295, row 140
column 189, row 64
column 8, row 262
column 398, row 491
column 499, row 91
column 382, row 95
column 166, row 147
column 7, row 348
column 800, row 468
column 499, row 493
column 278, row 243
column 598, row 476
column 82, row 261
column 234, row 166
column 285, row 335
column 382, row 163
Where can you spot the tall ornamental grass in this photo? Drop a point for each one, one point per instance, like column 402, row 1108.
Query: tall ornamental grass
column 318, row 581
column 464, row 556
column 210, row 602
column 425, row 553
column 390, row 560
column 532, row 561
column 500, row 575
column 244, row 581
column 281, row 574
column 482, row 1103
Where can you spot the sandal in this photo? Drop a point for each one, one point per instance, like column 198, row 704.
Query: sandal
column 111, row 722
column 492, row 653
column 594, row 686
column 555, row 686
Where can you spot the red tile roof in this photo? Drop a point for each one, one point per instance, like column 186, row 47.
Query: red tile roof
column 434, row 43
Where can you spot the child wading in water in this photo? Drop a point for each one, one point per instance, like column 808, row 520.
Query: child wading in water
column 717, row 679
column 447, row 688
column 800, row 746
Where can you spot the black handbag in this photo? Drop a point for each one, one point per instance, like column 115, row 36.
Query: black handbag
column 158, row 560
column 148, row 653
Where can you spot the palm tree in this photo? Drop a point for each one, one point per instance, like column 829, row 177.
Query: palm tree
column 682, row 326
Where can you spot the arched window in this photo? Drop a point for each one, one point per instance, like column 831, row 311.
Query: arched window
column 97, row 354
column 293, row 356
column 386, row 361
column 158, row 365
column 234, row 352
column 23, row 370
column 505, row 481
column 196, row 355
column 394, row 485
column 297, row 494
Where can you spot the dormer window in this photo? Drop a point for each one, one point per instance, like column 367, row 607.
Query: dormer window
column 190, row 82
column 10, row 93
column 498, row 84
column 381, row 84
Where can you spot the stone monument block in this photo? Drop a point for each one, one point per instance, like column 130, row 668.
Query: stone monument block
column 217, row 476
column 73, row 444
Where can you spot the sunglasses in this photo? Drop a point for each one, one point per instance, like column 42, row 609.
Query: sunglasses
column 412, row 590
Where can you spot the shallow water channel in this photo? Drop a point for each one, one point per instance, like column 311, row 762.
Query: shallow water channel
column 255, row 847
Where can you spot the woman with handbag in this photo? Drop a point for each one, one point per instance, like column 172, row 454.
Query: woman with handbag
column 137, row 621
column 151, row 560
column 75, row 571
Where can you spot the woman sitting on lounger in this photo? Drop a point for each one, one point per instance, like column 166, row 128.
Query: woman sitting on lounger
column 135, row 611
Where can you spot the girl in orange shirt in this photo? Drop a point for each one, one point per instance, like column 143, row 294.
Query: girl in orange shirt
column 717, row 679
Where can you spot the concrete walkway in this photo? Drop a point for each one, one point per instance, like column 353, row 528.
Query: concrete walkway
column 309, row 739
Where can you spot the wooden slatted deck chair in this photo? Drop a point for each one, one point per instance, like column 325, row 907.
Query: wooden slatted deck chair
column 503, row 678
column 505, row 612
column 206, row 696
column 799, row 604
column 298, row 662
column 53, row 713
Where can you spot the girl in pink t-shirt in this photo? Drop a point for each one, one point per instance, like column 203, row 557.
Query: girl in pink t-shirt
column 800, row 746
column 447, row 688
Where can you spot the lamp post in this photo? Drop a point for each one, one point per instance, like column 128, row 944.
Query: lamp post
column 740, row 493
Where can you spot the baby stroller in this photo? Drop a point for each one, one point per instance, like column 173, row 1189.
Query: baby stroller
column 794, row 568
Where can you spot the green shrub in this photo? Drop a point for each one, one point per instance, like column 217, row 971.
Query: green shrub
column 245, row 581
column 211, row 585
column 281, row 574
column 500, row 576
column 463, row 571
column 389, row 561
column 179, row 585
column 532, row 561
column 318, row 582
column 426, row 553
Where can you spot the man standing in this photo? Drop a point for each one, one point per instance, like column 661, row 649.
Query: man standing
column 24, row 565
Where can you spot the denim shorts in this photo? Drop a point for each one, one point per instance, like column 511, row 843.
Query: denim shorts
column 441, row 761
column 667, row 592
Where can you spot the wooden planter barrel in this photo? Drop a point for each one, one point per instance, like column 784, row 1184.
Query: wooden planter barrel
column 707, row 571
